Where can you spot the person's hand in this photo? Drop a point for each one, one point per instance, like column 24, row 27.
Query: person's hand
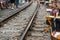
column 58, row 5
column 54, row 6
column 1, row 2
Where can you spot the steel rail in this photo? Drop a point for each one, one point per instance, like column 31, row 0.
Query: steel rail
column 17, row 11
column 29, row 24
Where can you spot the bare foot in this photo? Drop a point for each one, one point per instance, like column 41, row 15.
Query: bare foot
column 53, row 33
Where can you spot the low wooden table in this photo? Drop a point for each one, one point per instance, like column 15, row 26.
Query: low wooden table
column 55, row 36
column 49, row 17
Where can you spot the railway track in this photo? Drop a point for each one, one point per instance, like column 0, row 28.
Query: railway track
column 13, row 27
column 36, row 31
column 6, row 14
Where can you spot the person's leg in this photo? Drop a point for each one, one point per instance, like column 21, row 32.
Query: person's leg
column 4, row 4
column 0, row 6
column 12, row 4
column 17, row 3
column 7, row 4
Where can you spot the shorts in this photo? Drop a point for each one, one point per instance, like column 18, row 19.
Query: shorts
column 12, row 1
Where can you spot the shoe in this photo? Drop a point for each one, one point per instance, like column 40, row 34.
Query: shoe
column 16, row 6
column 12, row 8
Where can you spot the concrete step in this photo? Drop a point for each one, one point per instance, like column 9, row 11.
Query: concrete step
column 40, row 20
column 34, row 38
column 38, row 23
column 40, row 17
column 39, row 26
column 38, row 29
column 36, row 34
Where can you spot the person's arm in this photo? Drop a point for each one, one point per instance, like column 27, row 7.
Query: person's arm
column 58, row 5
